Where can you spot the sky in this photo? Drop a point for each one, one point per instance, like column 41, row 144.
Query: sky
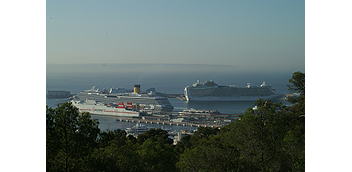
column 245, row 34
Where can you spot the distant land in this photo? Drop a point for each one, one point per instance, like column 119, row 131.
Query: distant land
column 114, row 67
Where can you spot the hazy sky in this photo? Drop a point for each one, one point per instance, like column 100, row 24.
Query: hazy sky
column 248, row 34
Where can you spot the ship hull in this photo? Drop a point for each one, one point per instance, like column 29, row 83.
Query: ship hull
column 203, row 92
column 145, row 103
column 104, row 110
column 243, row 98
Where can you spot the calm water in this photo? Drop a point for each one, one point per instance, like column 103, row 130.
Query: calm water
column 169, row 80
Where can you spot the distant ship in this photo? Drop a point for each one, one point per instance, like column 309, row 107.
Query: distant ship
column 99, row 108
column 210, row 91
column 58, row 94
column 137, row 129
column 151, row 101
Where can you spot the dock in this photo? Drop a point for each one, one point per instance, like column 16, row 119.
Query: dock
column 178, row 96
column 193, row 120
column 166, row 122
column 58, row 94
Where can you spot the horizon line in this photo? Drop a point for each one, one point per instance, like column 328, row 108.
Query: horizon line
column 138, row 64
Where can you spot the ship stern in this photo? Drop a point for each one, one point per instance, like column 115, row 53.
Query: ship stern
column 186, row 92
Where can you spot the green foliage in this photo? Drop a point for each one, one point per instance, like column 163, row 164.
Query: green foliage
column 257, row 135
column 211, row 155
column 73, row 145
column 70, row 137
column 270, row 138
column 150, row 156
column 157, row 156
column 155, row 135
column 115, row 158
column 202, row 134
column 297, row 85
column 183, row 144
column 117, row 137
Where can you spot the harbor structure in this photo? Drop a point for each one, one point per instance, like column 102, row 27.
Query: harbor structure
column 58, row 94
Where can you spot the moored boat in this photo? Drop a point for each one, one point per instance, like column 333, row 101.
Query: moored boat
column 150, row 101
column 137, row 129
column 210, row 91
column 100, row 108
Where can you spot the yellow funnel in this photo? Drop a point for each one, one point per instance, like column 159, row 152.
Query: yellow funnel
column 137, row 88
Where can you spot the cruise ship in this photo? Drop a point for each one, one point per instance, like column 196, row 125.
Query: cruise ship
column 99, row 108
column 150, row 101
column 210, row 91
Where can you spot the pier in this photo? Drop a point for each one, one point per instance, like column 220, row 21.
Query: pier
column 166, row 122
column 58, row 94
column 178, row 96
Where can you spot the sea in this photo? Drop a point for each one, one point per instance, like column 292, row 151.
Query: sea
column 170, row 79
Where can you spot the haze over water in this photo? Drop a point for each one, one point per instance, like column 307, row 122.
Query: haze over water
column 165, row 78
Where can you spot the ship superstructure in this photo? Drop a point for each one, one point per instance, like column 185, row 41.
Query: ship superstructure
column 137, row 129
column 144, row 102
column 210, row 91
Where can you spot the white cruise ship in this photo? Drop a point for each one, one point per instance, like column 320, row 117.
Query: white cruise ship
column 210, row 91
column 151, row 101
column 99, row 108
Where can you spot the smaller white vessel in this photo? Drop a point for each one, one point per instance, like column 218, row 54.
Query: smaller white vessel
column 137, row 129
column 99, row 108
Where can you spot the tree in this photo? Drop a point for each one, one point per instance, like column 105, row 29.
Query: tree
column 268, row 138
column 115, row 158
column 155, row 135
column 117, row 137
column 211, row 155
column 297, row 86
column 183, row 144
column 297, row 82
column 206, row 151
column 156, row 156
column 70, row 138
column 294, row 142
column 155, row 151
column 202, row 134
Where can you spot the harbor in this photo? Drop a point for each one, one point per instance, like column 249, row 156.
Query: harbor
column 151, row 109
